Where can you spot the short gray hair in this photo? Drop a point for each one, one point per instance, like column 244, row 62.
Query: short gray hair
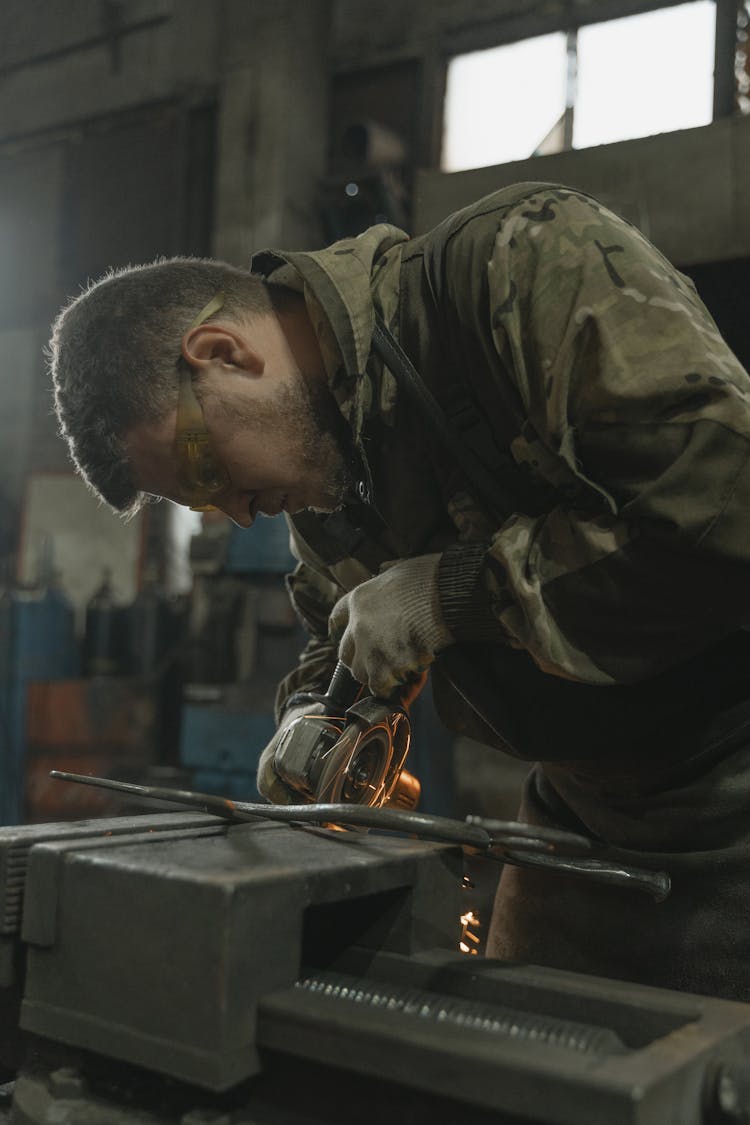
column 114, row 355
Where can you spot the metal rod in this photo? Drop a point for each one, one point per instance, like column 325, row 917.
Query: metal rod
column 656, row 884
column 435, row 828
column 515, row 843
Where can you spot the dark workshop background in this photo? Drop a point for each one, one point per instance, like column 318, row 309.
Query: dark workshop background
column 150, row 649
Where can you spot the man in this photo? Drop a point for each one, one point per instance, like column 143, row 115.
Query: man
column 588, row 615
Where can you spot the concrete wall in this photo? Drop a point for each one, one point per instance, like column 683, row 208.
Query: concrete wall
column 689, row 192
column 102, row 144
column 273, row 96
column 387, row 29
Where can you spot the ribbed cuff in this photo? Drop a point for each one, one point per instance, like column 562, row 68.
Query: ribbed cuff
column 463, row 598
column 421, row 602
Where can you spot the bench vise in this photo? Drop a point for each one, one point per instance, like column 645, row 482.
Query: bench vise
column 174, row 969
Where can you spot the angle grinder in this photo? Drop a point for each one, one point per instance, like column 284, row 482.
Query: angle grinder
column 351, row 748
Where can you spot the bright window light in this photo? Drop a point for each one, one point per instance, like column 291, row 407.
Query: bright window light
column 502, row 103
column 645, row 74
column 630, row 77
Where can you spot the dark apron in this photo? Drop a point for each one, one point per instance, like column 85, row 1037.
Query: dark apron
column 680, row 805
column 498, row 696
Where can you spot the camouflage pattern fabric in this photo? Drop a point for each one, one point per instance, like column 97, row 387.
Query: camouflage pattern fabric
column 632, row 411
column 620, row 426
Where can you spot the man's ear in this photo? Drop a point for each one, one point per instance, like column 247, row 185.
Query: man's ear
column 208, row 344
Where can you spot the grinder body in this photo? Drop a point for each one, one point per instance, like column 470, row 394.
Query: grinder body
column 350, row 748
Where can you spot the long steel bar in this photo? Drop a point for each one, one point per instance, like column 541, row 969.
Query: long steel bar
column 523, row 844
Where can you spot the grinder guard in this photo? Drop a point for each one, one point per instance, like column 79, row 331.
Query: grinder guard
column 356, row 759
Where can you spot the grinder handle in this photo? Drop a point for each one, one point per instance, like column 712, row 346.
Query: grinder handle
column 342, row 690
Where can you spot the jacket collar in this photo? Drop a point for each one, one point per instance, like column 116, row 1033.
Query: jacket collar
column 336, row 283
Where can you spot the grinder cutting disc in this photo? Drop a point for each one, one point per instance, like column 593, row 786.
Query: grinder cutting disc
column 364, row 765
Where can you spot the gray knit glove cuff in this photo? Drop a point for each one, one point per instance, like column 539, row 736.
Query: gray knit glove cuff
column 391, row 627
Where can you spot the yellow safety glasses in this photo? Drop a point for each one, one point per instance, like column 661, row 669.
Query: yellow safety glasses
column 200, row 474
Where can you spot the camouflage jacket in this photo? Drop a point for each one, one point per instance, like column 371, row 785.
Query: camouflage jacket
column 615, row 419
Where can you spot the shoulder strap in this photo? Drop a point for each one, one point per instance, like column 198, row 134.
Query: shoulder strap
column 493, row 488
column 398, row 362
column 460, row 669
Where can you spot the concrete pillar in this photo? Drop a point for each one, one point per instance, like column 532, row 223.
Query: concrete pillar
column 273, row 125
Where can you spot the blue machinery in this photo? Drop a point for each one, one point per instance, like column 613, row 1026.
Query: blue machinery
column 37, row 642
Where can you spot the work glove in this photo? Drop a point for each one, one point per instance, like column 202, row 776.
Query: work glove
column 390, row 628
column 269, row 783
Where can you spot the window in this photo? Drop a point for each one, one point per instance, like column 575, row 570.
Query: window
column 501, row 104
column 610, row 81
column 645, row 74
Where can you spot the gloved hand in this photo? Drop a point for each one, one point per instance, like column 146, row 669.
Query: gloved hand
column 268, row 781
column 391, row 627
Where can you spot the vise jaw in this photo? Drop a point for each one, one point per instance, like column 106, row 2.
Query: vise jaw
column 153, row 939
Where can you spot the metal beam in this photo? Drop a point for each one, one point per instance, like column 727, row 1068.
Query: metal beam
column 724, row 58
